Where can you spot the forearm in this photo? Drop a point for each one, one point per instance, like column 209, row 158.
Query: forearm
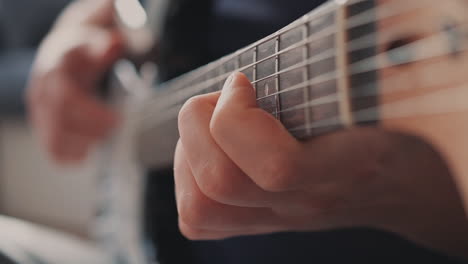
column 431, row 212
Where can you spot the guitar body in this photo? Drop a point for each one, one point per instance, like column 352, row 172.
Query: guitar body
column 430, row 98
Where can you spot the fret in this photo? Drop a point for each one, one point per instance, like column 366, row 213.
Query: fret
column 264, row 89
column 221, row 71
column 255, row 60
column 231, row 65
column 266, row 80
column 247, row 63
column 277, row 82
column 369, row 78
column 292, row 57
column 212, row 75
column 237, row 62
column 321, row 68
column 188, row 79
column 305, row 77
column 266, row 67
column 301, row 63
column 290, row 78
column 344, row 92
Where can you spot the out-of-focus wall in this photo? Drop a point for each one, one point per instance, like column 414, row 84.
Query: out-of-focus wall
column 34, row 189
column 30, row 186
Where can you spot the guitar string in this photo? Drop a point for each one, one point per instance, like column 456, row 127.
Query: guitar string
column 368, row 89
column 190, row 76
column 315, row 14
column 391, row 9
column 357, row 20
column 361, row 69
column 333, row 75
column 367, row 64
column 188, row 92
column 369, row 17
column 362, row 91
column 172, row 113
column 395, row 110
column 160, row 106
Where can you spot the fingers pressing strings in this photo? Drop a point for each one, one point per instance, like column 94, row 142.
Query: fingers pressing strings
column 215, row 173
column 377, row 62
column 267, row 139
column 367, row 41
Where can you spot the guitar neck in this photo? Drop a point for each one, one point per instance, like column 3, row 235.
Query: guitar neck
column 303, row 63
column 299, row 74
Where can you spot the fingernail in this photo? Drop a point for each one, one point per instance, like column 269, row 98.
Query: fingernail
column 229, row 81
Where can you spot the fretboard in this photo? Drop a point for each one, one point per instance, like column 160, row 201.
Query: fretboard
column 299, row 73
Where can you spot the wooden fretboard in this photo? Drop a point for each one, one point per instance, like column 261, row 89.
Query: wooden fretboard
column 299, row 73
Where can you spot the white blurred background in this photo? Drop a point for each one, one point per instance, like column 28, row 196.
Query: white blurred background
column 31, row 187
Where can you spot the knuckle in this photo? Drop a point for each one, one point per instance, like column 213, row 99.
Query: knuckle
column 193, row 212
column 215, row 182
column 189, row 109
column 219, row 123
column 277, row 174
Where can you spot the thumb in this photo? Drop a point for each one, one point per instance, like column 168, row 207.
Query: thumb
column 102, row 13
column 93, row 58
column 105, row 49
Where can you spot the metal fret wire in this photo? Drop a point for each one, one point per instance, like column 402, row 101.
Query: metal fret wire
column 306, row 95
column 277, row 76
column 358, row 20
column 364, row 65
column 363, row 18
column 317, row 13
column 255, row 59
column 354, row 45
column 172, row 113
column 367, row 90
column 364, row 91
column 373, row 113
column 307, row 62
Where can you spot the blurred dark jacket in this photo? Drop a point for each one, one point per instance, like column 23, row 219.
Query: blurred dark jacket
column 23, row 24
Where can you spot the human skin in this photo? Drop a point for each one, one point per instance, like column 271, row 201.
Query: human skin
column 66, row 114
column 239, row 172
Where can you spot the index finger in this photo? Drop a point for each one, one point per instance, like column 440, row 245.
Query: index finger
column 251, row 137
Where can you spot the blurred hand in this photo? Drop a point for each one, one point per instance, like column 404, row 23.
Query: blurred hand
column 67, row 116
column 239, row 172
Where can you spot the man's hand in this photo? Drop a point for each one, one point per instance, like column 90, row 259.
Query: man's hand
column 69, row 119
column 239, row 172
